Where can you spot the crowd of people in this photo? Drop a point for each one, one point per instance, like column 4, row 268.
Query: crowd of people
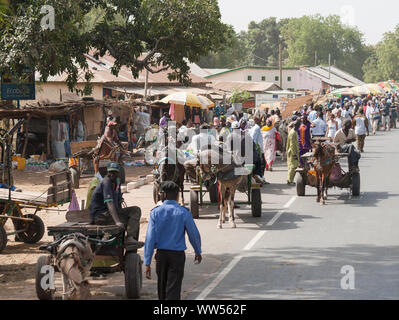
column 255, row 134
column 340, row 121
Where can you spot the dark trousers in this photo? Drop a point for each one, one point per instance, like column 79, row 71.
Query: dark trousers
column 263, row 165
column 354, row 156
column 129, row 216
column 170, row 272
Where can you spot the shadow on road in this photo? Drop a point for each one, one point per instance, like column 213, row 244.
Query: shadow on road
column 312, row 273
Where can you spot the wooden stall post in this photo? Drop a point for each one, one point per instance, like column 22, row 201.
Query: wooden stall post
column 48, row 137
column 26, row 134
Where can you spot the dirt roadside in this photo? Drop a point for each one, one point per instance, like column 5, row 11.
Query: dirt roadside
column 18, row 260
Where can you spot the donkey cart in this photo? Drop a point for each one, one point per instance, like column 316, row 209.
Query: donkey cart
column 107, row 254
column 29, row 228
column 339, row 178
column 198, row 191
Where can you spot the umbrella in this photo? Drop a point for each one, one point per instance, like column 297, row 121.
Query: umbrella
column 205, row 102
column 183, row 98
column 360, row 90
column 375, row 89
column 342, row 92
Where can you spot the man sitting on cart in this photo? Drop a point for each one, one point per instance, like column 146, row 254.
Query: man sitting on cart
column 106, row 207
column 343, row 141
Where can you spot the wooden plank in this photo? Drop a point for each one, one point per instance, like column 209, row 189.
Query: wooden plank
column 79, row 146
column 62, row 196
column 16, row 218
column 84, row 228
column 78, row 216
column 59, row 188
column 25, row 197
column 60, row 177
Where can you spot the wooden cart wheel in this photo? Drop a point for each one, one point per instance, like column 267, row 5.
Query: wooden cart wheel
column 3, row 238
column 35, row 229
column 214, row 192
column 133, row 275
column 41, row 273
column 194, row 206
column 256, row 203
column 356, row 184
column 300, row 185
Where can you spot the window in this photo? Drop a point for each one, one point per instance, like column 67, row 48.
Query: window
column 289, row 78
column 249, row 78
column 276, row 78
column 291, row 89
column 263, row 78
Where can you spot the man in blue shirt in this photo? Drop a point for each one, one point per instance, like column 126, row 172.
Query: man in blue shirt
column 166, row 233
column 105, row 208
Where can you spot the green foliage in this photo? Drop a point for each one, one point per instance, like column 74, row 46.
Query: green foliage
column 371, row 72
column 264, row 39
column 234, row 54
column 325, row 35
column 239, row 96
column 140, row 34
column 384, row 63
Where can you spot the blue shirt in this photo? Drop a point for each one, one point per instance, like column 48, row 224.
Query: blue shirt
column 312, row 116
column 166, row 230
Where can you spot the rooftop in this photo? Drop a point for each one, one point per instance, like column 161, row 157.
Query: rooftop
column 101, row 70
column 244, row 85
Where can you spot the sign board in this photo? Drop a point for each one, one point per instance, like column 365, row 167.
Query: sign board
column 11, row 89
column 266, row 98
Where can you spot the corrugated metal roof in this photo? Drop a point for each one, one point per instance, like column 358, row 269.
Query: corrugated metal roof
column 222, row 71
column 101, row 70
column 337, row 77
column 158, row 90
column 244, row 85
column 346, row 76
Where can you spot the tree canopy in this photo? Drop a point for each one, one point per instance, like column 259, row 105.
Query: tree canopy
column 301, row 39
column 140, row 34
column 311, row 36
column 384, row 63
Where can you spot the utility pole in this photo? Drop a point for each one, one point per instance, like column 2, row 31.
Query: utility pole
column 281, row 63
column 146, row 85
column 315, row 58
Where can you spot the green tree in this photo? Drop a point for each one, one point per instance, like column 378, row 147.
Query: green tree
column 388, row 56
column 140, row 34
column 370, row 68
column 308, row 35
column 383, row 64
column 234, row 54
column 264, row 39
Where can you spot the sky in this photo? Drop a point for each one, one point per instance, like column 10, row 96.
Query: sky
column 373, row 18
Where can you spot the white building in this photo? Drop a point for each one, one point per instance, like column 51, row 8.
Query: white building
column 294, row 79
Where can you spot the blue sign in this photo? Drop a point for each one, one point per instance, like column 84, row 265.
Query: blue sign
column 24, row 90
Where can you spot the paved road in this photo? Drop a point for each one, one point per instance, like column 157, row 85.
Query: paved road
column 297, row 249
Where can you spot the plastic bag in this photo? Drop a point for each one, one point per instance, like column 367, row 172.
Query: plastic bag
column 58, row 166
